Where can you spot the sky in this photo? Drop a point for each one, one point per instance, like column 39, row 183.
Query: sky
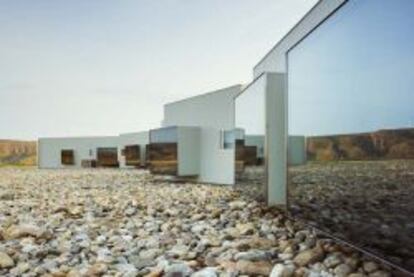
column 100, row 67
column 355, row 72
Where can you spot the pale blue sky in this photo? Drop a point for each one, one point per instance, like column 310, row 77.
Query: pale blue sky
column 102, row 67
column 355, row 72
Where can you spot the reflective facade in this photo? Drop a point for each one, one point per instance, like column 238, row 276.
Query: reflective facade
column 249, row 141
column 351, row 96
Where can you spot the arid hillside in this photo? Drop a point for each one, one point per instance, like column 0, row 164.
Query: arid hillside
column 14, row 152
column 379, row 145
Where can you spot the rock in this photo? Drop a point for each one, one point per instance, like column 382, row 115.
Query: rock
column 281, row 270
column 97, row 269
column 380, row 273
column 246, row 229
column 342, row 270
column 24, row 230
column 254, row 268
column 155, row 273
column 22, row 268
column 149, row 254
column 309, row 256
column 285, row 256
column 178, row 270
column 332, row 260
column 5, row 260
column 252, row 255
column 179, row 250
column 7, row 196
column 127, row 270
column 206, row 272
column 237, row 205
column 357, row 275
column 104, row 256
column 369, row 266
column 130, row 211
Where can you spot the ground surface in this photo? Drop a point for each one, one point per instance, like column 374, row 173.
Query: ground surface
column 369, row 203
column 125, row 223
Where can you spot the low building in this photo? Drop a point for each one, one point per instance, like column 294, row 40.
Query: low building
column 211, row 114
column 77, row 152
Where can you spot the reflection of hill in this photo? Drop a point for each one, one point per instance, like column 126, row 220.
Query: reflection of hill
column 382, row 144
column 14, row 152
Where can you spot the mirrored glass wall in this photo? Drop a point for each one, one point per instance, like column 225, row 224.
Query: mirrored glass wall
column 351, row 97
column 249, row 140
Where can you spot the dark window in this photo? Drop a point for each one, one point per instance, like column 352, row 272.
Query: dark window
column 132, row 154
column 107, row 156
column 67, row 157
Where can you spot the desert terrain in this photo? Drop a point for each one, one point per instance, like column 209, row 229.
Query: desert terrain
column 111, row 222
column 17, row 153
column 366, row 202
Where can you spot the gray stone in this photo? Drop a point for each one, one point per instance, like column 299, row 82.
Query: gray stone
column 178, row 270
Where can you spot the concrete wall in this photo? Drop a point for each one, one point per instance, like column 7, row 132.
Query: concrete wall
column 139, row 138
column 49, row 149
column 212, row 112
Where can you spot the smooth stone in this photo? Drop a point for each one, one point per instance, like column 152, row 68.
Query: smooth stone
column 309, row 256
column 178, row 270
column 254, row 268
column 370, row 266
column 5, row 260
column 24, row 230
column 332, row 260
column 380, row 273
column 97, row 269
column 342, row 270
column 281, row 270
column 252, row 255
column 206, row 272
column 127, row 270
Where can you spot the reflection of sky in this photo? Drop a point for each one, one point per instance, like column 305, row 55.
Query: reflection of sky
column 250, row 113
column 355, row 73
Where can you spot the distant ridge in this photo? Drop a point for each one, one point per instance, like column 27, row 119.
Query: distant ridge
column 380, row 145
column 17, row 152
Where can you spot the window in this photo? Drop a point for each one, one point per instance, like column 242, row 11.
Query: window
column 132, row 154
column 67, row 157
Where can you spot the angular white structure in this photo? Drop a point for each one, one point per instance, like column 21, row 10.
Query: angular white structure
column 212, row 113
column 270, row 81
column 51, row 151
column 175, row 151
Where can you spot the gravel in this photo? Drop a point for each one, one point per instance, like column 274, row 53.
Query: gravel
column 109, row 222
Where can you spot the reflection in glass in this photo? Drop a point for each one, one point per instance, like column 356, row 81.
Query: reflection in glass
column 351, row 94
column 249, row 141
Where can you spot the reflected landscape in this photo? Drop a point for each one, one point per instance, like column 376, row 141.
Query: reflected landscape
column 250, row 140
column 351, row 95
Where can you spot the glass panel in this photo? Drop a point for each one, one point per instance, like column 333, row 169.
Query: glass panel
column 249, row 140
column 230, row 137
column 351, row 94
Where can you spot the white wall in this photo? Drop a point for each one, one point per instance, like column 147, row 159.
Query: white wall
column 139, row 138
column 212, row 112
column 49, row 149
